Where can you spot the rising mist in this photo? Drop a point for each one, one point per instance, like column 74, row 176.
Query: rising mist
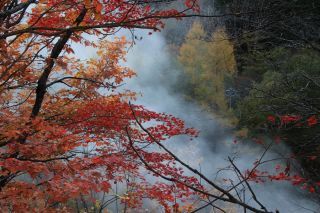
column 156, row 75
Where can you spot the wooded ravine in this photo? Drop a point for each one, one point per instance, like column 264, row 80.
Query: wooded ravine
column 160, row 106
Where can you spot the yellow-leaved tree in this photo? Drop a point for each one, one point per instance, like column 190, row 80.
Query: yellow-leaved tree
column 209, row 62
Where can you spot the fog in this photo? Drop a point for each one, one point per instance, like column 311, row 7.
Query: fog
column 156, row 74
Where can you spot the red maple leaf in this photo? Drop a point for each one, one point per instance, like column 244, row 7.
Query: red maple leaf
column 311, row 121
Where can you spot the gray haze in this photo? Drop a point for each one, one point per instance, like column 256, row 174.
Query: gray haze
column 156, row 74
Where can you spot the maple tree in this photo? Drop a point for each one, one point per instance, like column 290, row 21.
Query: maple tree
column 285, row 172
column 65, row 129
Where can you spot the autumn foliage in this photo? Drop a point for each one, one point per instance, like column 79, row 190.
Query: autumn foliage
column 65, row 131
column 69, row 134
column 281, row 171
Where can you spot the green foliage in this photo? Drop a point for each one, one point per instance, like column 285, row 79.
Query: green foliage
column 257, row 63
column 290, row 85
column 222, row 3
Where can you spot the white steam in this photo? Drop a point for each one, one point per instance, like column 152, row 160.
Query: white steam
column 156, row 73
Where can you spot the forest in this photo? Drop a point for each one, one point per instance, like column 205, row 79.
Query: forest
column 160, row 106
